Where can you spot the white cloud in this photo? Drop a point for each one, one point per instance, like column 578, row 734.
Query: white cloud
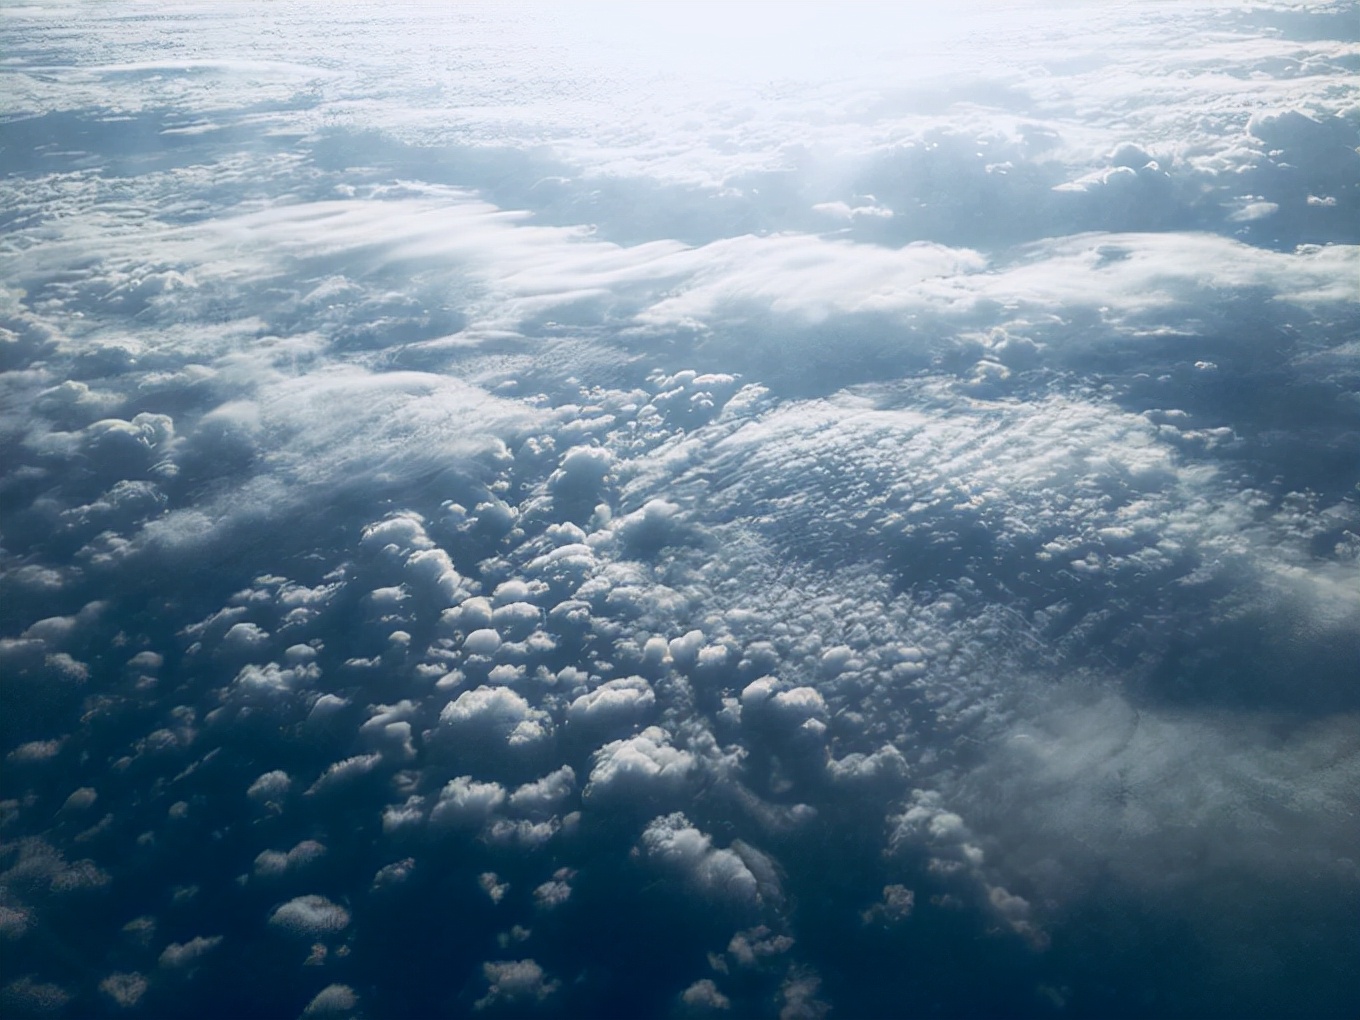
column 341, row 774
column 671, row 843
column 270, row 786
column 551, row 895
column 641, row 766
column 754, row 946
column 626, row 700
column 310, row 916
column 546, row 795
column 466, row 802
column 273, row 863
column 962, row 413
column 497, row 712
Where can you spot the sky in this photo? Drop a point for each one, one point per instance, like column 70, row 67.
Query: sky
column 679, row 510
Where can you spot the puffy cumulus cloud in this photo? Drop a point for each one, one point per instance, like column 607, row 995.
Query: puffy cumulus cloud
column 625, row 700
column 656, row 523
column 412, row 430
column 388, row 728
column 554, row 893
column 270, row 682
column 466, row 802
column 953, row 856
column 394, row 875
column 926, row 822
column 671, row 843
column 517, row 620
column 495, row 713
column 270, row 786
column 886, row 766
column 544, row 796
column 523, row 833
column 795, row 708
column 310, row 916
column 755, row 946
column 117, row 449
column 512, row 983
column 490, row 883
column 428, row 571
column 583, row 471
column 399, row 533
column 646, row 765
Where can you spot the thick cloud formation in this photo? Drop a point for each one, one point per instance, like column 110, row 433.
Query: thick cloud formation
column 673, row 513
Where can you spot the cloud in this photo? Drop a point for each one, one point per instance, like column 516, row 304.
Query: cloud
column 343, row 773
column 670, row 842
column 464, row 801
column 897, row 905
column 931, row 463
column 495, row 713
column 515, row 983
column 624, row 701
column 272, row 863
column 645, row 765
column 310, row 916
column 124, row 989
column 179, row 955
column 546, row 795
column 333, row 1000
column 703, row 997
column 270, row 786
column 34, row 997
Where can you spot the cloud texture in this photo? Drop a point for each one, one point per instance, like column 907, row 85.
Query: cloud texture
column 515, row 513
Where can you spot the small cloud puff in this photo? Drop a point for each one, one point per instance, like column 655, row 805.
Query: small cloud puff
column 272, row 863
column 703, row 998
column 310, row 916
column 332, row 1001
column 897, row 905
column 124, row 990
column 515, row 983
column 179, row 955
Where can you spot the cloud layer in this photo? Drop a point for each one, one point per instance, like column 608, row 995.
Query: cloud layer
column 668, row 514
